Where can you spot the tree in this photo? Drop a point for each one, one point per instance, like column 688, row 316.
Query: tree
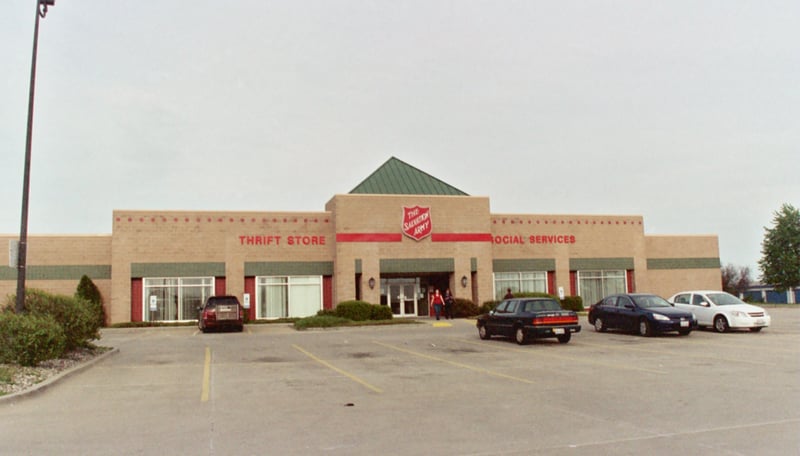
column 780, row 250
column 736, row 279
column 88, row 291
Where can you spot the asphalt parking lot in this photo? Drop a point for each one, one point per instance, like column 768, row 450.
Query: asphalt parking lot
column 432, row 388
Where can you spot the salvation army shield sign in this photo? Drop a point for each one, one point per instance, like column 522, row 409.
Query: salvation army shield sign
column 417, row 222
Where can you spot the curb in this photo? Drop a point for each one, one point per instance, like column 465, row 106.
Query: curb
column 42, row 386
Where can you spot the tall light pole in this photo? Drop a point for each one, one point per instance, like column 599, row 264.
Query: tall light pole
column 41, row 11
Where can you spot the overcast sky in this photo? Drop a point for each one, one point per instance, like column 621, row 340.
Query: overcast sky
column 684, row 112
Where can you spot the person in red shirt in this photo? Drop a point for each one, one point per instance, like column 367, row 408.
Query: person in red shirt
column 438, row 303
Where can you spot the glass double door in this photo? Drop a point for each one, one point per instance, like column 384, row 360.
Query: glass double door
column 402, row 296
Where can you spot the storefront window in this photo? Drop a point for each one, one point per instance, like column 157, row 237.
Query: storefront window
column 595, row 285
column 177, row 298
column 288, row 296
column 519, row 282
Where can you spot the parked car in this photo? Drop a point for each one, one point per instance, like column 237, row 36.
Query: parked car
column 221, row 312
column 529, row 318
column 721, row 310
column 646, row 314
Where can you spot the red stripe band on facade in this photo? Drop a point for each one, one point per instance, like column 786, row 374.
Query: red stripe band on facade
column 461, row 237
column 369, row 237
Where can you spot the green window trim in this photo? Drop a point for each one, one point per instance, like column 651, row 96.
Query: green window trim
column 59, row 272
column 683, row 263
column 288, row 268
column 588, row 264
column 140, row 270
column 526, row 264
column 411, row 265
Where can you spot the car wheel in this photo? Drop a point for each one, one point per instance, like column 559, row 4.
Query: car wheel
column 755, row 330
column 483, row 331
column 644, row 328
column 720, row 324
column 564, row 338
column 599, row 326
column 519, row 336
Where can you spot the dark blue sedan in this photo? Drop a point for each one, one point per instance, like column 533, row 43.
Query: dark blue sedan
column 646, row 314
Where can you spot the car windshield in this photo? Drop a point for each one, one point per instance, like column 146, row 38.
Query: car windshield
column 650, row 301
column 724, row 299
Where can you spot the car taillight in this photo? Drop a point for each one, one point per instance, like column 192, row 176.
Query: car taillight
column 560, row 320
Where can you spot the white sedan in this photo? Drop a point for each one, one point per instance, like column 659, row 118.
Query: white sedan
column 721, row 310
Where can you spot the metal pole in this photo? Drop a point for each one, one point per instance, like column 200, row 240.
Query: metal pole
column 41, row 10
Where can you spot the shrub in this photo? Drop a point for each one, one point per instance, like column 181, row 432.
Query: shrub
column 487, row 306
column 572, row 303
column 381, row 313
column 75, row 316
column 357, row 310
column 463, row 308
column 320, row 321
column 30, row 339
column 88, row 291
column 536, row 294
column 326, row 313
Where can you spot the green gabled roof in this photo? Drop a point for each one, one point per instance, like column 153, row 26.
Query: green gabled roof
column 396, row 177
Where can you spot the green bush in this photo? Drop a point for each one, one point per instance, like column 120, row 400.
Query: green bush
column 361, row 311
column 320, row 321
column 326, row 313
column 381, row 313
column 88, row 291
column 572, row 303
column 536, row 294
column 28, row 340
column 75, row 316
column 487, row 307
column 153, row 324
column 463, row 308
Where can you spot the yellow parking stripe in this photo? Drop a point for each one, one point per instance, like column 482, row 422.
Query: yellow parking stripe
column 453, row 363
column 683, row 354
column 206, row 376
column 572, row 358
column 331, row 366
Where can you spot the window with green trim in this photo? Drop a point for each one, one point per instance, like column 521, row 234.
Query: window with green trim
column 595, row 285
column 288, row 296
column 177, row 298
column 519, row 282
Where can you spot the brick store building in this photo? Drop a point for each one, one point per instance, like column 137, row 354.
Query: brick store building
column 395, row 237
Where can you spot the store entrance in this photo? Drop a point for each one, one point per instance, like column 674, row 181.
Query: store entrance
column 402, row 295
column 408, row 296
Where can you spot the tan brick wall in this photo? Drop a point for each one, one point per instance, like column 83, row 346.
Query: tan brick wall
column 685, row 250
column 62, row 255
column 384, row 214
column 666, row 283
column 198, row 237
column 663, row 264
column 562, row 237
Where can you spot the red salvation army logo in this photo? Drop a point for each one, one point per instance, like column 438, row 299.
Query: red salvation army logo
column 417, row 222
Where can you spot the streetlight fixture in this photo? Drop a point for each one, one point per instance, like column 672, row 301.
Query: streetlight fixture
column 41, row 11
